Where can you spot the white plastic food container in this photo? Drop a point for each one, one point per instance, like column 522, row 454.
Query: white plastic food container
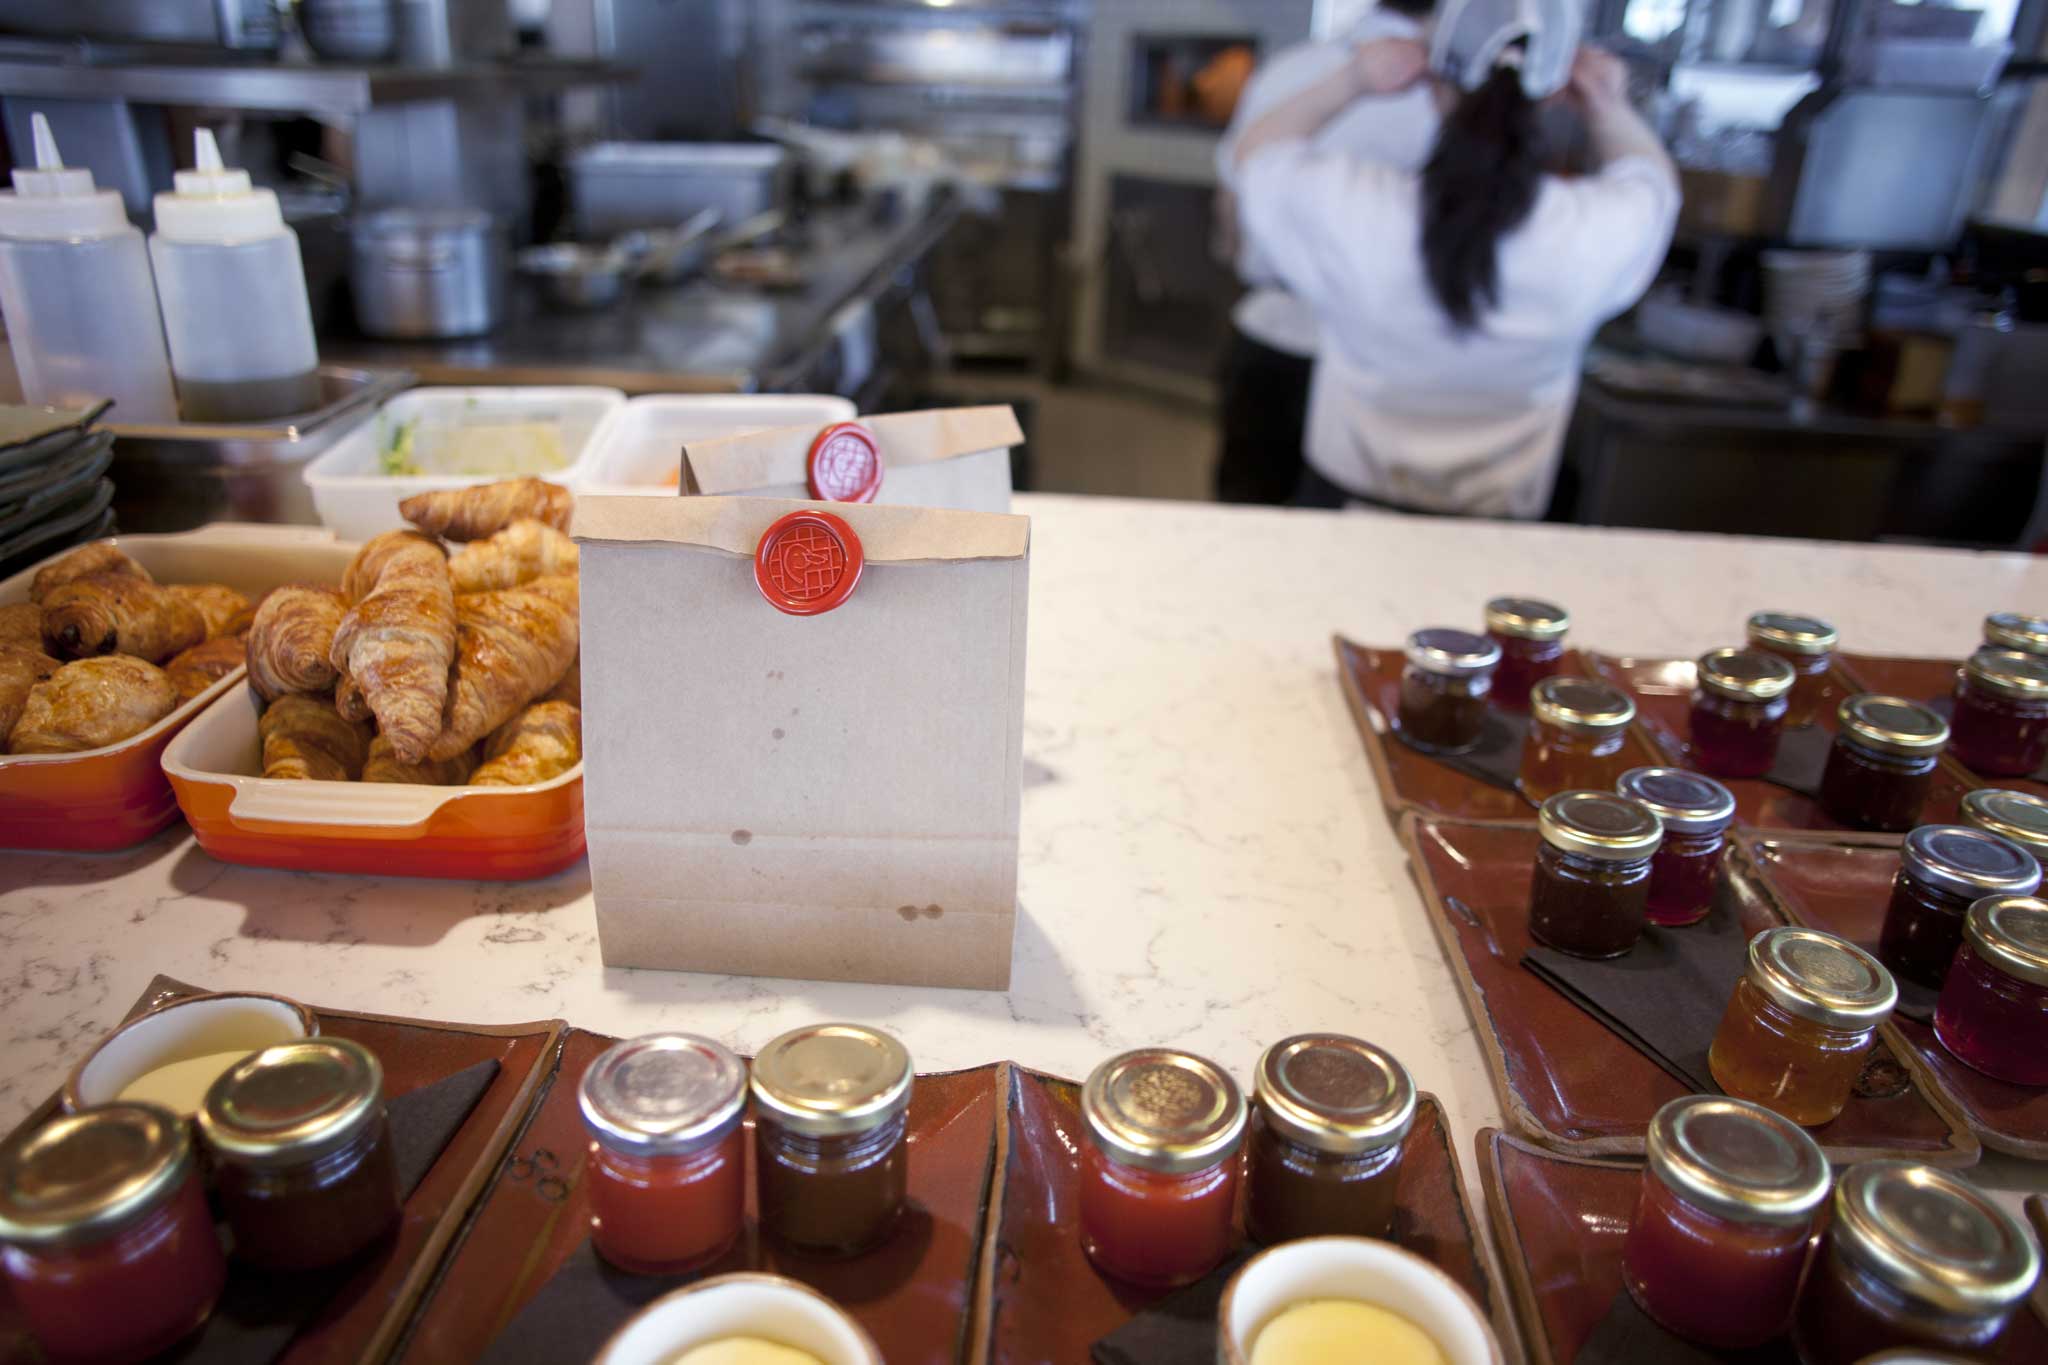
column 638, row 450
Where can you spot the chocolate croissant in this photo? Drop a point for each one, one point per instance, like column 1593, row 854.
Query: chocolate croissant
column 520, row 553
column 115, row 612
column 21, row 668
column 304, row 738
column 512, row 646
column 102, row 556
column 205, row 664
column 384, row 766
column 486, row 509
column 90, row 704
column 218, row 604
column 21, row 623
column 542, row 742
column 398, row 641
column 291, row 640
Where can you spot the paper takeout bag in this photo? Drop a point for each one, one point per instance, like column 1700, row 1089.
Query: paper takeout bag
column 831, row 796
column 955, row 458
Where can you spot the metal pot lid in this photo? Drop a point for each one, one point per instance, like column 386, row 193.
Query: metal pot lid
column 1163, row 1110
column 1932, row 1237
column 833, row 1080
column 1892, row 725
column 1597, row 824
column 2018, row 816
column 1736, row 1160
column 79, row 1177
column 294, row 1101
column 663, row 1094
column 1687, row 802
column 1745, row 674
column 2011, row 934
column 1453, row 653
column 1793, row 633
column 2017, row 631
column 1527, row 618
column 1335, row 1094
column 1821, row 977
column 1969, row 862
column 2010, row 673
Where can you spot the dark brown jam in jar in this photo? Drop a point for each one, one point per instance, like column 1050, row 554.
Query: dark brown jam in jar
column 1696, row 812
column 1577, row 730
column 1738, row 711
column 1530, row 633
column 830, row 1106
column 2000, row 725
column 1444, row 688
column 1328, row 1117
column 1592, row 876
column 2016, row 631
column 1808, row 644
column 1943, row 869
column 1881, row 767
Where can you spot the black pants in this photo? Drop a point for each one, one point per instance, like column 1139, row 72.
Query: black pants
column 1264, row 417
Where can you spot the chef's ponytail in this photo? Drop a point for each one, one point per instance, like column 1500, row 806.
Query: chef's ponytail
column 1480, row 183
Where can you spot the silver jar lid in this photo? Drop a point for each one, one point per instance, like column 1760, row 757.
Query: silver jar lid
column 1821, row 977
column 1687, row 802
column 1736, row 1160
column 1527, row 618
column 80, row 1177
column 1792, row 633
column 2018, row 631
column 293, row 1102
column 1745, row 674
column 1598, row 824
column 2011, row 934
column 1451, row 653
column 1892, row 725
column 2018, row 816
column 2009, row 673
column 1962, row 861
column 1163, row 1110
column 1335, row 1094
column 1932, row 1237
column 1580, row 705
column 663, row 1094
column 833, row 1080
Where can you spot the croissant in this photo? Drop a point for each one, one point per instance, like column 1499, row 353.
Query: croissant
column 205, row 664
column 542, row 742
column 520, row 553
column 114, row 612
column 486, row 509
column 21, row 668
column 92, row 703
column 218, row 604
column 21, row 623
column 398, row 641
column 291, row 639
column 102, row 556
column 243, row 621
column 512, row 646
column 348, row 700
column 384, row 766
column 305, row 739
column 569, row 687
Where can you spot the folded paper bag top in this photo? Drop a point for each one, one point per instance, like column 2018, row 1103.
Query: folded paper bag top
column 957, row 458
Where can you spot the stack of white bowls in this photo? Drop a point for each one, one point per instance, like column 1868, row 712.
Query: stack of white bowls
column 1816, row 295
column 350, row 30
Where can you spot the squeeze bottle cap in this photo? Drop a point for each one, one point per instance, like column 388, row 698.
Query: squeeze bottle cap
column 216, row 203
column 54, row 202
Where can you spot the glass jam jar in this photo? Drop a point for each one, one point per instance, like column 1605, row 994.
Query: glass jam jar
column 667, row 1151
column 1881, row 766
column 1993, row 1011
column 1912, row 1256
column 2017, row 816
column 1808, row 644
column 1530, row 633
column 105, row 1238
column 2016, row 630
column 1696, row 812
column 1592, row 877
column 1738, row 711
column 1943, row 870
column 2001, row 713
column 1323, row 1154
column 1800, row 1022
column 1577, row 728
column 831, row 1107
column 1159, row 1171
column 302, row 1156
column 1720, row 1233
column 1444, row 688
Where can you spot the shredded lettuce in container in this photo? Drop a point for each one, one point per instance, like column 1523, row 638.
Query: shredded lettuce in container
column 475, row 444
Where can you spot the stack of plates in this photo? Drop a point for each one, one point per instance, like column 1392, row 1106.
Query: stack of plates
column 1816, row 295
column 53, row 486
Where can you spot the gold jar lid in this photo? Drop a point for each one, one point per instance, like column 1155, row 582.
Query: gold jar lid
column 1163, row 1110
column 1598, row 824
column 2017, row 816
column 1932, row 1237
column 1821, row 977
column 1687, row 802
column 1527, row 618
column 78, row 1178
column 1745, row 674
column 1961, row 861
column 1792, row 633
column 1335, row 1094
column 1451, row 653
column 1736, row 1160
column 1892, row 725
column 2016, row 631
column 663, row 1094
column 833, row 1080
column 2011, row 933
column 1580, row 705
column 293, row 1102
column 2009, row 673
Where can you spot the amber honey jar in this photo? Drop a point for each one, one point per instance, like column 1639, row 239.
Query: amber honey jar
column 1808, row 644
column 1719, row 1238
column 1739, row 704
column 1695, row 811
column 2018, row 816
column 1943, row 870
column 1800, row 1023
column 1323, row 1154
column 2016, row 630
column 1577, row 730
column 2000, row 726
column 1881, row 766
column 1912, row 1256
column 1530, row 633
column 831, row 1111
column 1444, row 688
column 1993, row 1011
column 1592, row 876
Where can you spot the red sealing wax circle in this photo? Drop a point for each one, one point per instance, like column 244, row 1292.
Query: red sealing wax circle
column 846, row 464
column 807, row 563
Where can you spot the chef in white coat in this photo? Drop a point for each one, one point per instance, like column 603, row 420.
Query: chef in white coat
column 1456, row 302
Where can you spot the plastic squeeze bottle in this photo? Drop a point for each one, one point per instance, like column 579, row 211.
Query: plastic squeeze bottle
column 76, row 294
column 234, row 297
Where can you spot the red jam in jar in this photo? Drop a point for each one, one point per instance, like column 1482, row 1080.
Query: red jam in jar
column 1993, row 1011
column 1577, row 730
column 1943, row 870
column 1808, row 644
column 2000, row 726
column 667, row 1151
column 1160, row 1167
column 1913, row 1256
column 1738, row 711
column 2018, row 816
column 1720, row 1233
column 1530, row 633
column 302, row 1154
column 1323, row 1158
column 105, row 1238
column 1685, row 873
column 1881, row 766
column 831, row 1118
column 2016, row 631
column 1800, row 1023
column 1444, row 689
column 1592, row 877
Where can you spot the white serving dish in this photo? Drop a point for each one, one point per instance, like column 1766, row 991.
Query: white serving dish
column 638, row 450
column 1363, row 1269
column 743, row 1305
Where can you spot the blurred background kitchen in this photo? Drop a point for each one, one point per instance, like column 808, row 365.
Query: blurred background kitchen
column 903, row 202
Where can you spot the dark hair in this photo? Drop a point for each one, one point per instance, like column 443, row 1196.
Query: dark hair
column 1414, row 9
column 1479, row 185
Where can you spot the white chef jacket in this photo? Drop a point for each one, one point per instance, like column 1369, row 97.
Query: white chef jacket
column 1405, row 409
column 1396, row 130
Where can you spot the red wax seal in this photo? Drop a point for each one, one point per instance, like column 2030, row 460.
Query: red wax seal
column 846, row 464
column 807, row 563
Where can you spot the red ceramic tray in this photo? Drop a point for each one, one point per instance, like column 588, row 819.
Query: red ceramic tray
column 1842, row 885
column 914, row 1295
column 1566, row 1080
column 1924, row 680
column 1041, row 1299
column 1559, row 1222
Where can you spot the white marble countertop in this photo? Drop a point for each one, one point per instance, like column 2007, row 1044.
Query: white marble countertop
column 1205, row 861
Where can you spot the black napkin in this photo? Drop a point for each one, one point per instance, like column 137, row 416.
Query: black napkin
column 1495, row 760
column 1802, row 758
column 578, row 1310
column 1629, row 1336
column 1180, row 1329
